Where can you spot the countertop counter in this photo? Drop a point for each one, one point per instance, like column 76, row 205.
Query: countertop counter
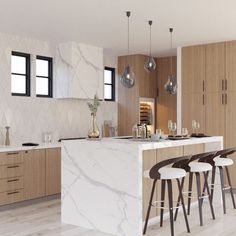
column 13, row 148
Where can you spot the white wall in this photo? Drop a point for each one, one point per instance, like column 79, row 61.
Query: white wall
column 30, row 117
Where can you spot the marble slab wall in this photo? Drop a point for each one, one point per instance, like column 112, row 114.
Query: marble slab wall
column 30, row 117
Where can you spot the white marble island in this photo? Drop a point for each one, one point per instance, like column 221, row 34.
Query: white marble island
column 102, row 181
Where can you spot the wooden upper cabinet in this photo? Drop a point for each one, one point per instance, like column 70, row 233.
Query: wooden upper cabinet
column 34, row 173
column 215, row 67
column 230, row 82
column 53, row 171
column 193, row 69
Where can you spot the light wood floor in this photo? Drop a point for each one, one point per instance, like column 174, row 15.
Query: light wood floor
column 43, row 218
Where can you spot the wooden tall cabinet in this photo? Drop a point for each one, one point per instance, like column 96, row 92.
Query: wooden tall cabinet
column 128, row 98
column 193, row 86
column 166, row 103
column 34, row 174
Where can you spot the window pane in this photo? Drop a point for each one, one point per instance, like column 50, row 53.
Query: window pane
column 18, row 64
column 41, row 67
column 41, row 86
column 107, row 76
column 18, row 84
column 107, row 91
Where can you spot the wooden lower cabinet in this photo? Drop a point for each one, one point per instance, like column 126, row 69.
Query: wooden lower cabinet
column 53, row 171
column 34, row 174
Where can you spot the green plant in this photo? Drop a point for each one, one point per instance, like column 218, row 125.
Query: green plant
column 93, row 106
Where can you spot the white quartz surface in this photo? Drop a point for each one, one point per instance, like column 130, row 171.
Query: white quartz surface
column 102, row 182
column 19, row 147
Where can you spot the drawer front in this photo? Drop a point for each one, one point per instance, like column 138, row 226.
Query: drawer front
column 8, row 158
column 12, row 170
column 11, row 184
column 11, row 196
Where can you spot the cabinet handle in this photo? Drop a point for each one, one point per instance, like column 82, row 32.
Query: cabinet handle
column 12, row 180
column 222, row 99
column 222, row 84
column 226, row 98
column 203, row 99
column 12, row 167
column 13, row 192
column 203, row 85
column 12, row 153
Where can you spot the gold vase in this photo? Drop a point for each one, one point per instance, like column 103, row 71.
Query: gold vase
column 94, row 131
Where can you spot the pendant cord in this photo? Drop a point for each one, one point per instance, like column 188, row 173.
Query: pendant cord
column 150, row 41
column 171, row 49
column 128, row 15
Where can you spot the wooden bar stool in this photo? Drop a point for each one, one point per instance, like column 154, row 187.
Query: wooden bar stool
column 221, row 160
column 195, row 166
column 162, row 171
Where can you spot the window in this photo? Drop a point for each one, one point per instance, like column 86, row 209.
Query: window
column 20, row 74
column 43, row 76
column 109, row 84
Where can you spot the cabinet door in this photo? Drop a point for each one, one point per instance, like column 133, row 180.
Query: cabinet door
column 34, row 173
column 215, row 114
column 149, row 160
column 53, row 171
column 230, row 130
column 230, row 66
column 193, row 69
column 193, row 108
column 215, row 67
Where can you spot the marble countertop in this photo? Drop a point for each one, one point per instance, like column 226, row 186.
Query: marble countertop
column 19, row 147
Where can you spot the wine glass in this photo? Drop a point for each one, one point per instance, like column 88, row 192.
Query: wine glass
column 194, row 126
column 174, row 127
column 197, row 127
column 185, row 132
column 170, row 126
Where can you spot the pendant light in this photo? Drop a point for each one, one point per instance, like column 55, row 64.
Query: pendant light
column 171, row 84
column 150, row 64
column 128, row 78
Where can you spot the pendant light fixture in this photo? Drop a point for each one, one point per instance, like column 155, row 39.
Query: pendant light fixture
column 171, row 84
column 128, row 78
column 150, row 64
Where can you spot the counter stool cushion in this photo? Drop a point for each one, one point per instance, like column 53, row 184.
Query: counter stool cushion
column 171, row 173
column 223, row 161
column 199, row 166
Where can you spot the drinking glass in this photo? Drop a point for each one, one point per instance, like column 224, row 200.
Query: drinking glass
column 185, row 132
column 194, row 126
column 197, row 127
column 170, row 126
column 174, row 127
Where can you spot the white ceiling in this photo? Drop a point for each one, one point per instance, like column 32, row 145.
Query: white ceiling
column 103, row 22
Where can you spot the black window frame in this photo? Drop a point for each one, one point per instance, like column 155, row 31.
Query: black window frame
column 27, row 71
column 49, row 77
column 113, row 88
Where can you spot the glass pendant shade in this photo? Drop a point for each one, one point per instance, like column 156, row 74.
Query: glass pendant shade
column 171, row 84
column 150, row 64
column 127, row 79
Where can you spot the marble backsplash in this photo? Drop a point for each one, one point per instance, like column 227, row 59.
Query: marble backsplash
column 30, row 117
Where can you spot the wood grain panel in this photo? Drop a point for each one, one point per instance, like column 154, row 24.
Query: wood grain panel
column 34, row 174
column 53, row 171
column 11, row 157
column 166, row 103
column 11, row 184
column 12, row 170
column 11, row 196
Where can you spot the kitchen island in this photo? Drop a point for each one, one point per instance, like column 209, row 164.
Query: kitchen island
column 102, row 181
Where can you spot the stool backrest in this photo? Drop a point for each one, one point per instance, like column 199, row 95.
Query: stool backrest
column 154, row 172
column 226, row 152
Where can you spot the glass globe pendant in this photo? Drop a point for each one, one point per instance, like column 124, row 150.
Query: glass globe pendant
column 171, row 84
column 150, row 64
column 128, row 77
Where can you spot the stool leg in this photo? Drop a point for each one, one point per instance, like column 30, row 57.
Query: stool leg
column 231, row 190
column 149, row 206
column 169, row 183
column 190, row 184
column 205, row 186
column 180, row 186
column 199, row 197
column 209, row 195
column 213, row 182
column 178, row 201
column 163, row 189
column 222, row 188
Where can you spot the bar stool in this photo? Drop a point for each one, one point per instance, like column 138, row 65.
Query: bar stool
column 221, row 160
column 162, row 171
column 195, row 166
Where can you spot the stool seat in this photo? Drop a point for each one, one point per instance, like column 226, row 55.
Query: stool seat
column 223, row 161
column 199, row 166
column 168, row 173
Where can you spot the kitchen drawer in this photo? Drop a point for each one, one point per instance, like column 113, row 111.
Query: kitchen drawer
column 11, row 184
column 12, row 170
column 7, row 158
column 11, row 196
